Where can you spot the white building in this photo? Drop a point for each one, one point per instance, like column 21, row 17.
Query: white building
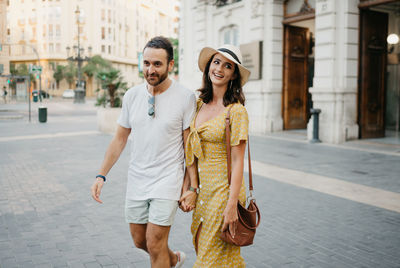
column 355, row 81
column 115, row 29
column 4, row 60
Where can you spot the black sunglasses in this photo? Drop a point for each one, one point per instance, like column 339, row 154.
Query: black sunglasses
column 152, row 101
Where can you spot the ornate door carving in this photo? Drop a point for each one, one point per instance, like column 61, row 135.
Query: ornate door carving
column 295, row 72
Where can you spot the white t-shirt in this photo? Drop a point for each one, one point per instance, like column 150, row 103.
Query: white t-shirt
column 156, row 167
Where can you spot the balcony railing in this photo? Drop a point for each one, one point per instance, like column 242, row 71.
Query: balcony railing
column 221, row 3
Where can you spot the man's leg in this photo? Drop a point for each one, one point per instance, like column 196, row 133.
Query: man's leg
column 157, row 243
column 138, row 233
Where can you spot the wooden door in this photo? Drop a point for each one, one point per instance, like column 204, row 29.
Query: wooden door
column 372, row 72
column 295, row 86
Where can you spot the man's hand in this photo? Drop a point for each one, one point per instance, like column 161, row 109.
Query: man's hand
column 96, row 189
column 188, row 201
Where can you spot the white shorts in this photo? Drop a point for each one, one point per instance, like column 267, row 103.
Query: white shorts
column 157, row 211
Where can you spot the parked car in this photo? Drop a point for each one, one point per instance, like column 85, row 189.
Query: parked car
column 44, row 94
column 68, row 94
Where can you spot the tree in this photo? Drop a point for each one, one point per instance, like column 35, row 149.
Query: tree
column 59, row 74
column 70, row 73
column 96, row 64
column 112, row 81
column 175, row 45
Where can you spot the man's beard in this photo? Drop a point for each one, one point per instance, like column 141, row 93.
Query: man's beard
column 161, row 78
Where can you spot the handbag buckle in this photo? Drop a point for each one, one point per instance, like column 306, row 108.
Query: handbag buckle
column 250, row 197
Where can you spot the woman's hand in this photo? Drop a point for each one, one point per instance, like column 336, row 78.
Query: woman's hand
column 230, row 218
column 188, row 201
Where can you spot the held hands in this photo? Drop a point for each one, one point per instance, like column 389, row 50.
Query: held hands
column 230, row 219
column 96, row 189
column 188, row 201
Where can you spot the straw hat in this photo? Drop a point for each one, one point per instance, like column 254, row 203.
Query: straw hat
column 228, row 51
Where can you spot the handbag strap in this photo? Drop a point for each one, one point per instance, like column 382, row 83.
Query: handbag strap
column 228, row 151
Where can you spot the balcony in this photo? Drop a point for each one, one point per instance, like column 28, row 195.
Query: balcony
column 221, row 3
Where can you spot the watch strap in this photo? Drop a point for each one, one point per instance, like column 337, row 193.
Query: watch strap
column 196, row 190
column 101, row 176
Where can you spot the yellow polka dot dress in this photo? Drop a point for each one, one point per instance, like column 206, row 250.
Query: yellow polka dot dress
column 207, row 144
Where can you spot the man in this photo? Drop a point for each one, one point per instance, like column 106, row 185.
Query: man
column 5, row 94
column 157, row 114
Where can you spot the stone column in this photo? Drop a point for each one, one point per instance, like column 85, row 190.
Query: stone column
column 336, row 65
column 264, row 97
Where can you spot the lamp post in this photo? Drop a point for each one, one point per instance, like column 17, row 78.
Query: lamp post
column 79, row 57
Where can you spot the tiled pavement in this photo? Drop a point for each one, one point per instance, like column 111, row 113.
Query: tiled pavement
column 47, row 217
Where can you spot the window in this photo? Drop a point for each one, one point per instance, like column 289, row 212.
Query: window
column 103, row 15
column 103, row 49
column 51, row 47
column 22, row 34
column 44, row 47
column 230, row 35
column 50, row 30
column 58, row 30
column 8, row 31
column 58, row 48
column 33, row 32
column 103, row 33
column 109, row 49
column 44, row 30
column 109, row 16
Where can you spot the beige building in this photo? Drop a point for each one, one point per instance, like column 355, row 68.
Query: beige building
column 4, row 59
column 115, row 29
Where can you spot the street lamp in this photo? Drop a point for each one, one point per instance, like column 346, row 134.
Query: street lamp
column 79, row 57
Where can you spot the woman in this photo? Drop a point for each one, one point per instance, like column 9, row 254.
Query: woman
column 216, row 203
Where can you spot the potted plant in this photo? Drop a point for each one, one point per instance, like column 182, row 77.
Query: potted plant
column 111, row 100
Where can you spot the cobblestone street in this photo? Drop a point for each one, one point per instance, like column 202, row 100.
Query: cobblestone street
column 321, row 205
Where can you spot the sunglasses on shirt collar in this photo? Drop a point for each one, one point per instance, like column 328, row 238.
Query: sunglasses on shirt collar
column 151, row 101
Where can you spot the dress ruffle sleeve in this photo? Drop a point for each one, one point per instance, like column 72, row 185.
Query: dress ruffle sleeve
column 239, row 124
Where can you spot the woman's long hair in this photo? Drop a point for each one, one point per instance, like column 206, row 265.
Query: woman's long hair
column 233, row 94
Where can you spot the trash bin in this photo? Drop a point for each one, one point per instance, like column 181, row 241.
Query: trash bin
column 35, row 96
column 42, row 114
column 79, row 95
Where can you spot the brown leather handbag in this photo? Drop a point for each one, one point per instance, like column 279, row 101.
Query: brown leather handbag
column 248, row 218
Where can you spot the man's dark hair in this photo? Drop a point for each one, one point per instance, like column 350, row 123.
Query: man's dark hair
column 161, row 42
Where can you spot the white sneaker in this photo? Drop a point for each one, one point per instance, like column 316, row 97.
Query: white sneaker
column 181, row 258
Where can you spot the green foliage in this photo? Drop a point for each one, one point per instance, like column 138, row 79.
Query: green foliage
column 95, row 65
column 175, row 45
column 112, row 81
column 70, row 73
column 58, row 74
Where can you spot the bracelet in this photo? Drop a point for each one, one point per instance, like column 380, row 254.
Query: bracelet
column 196, row 190
column 101, row 176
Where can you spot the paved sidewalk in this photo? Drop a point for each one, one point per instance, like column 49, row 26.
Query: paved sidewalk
column 47, row 217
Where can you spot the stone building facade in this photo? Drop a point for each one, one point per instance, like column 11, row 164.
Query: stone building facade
column 331, row 55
